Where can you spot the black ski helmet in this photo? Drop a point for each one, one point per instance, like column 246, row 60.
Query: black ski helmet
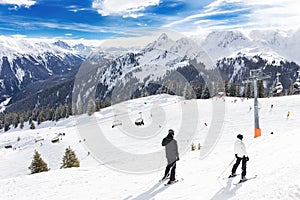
column 239, row 136
column 171, row 132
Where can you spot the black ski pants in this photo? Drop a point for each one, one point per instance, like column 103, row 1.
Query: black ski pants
column 171, row 166
column 237, row 163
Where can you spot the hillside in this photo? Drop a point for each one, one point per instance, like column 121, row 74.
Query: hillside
column 273, row 157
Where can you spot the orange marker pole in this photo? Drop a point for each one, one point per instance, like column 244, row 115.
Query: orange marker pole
column 257, row 132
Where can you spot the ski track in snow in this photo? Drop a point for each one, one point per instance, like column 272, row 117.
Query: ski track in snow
column 273, row 157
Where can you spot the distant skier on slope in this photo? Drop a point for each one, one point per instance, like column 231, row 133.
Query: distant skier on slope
column 171, row 149
column 241, row 155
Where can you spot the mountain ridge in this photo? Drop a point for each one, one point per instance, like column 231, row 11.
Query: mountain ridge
column 223, row 51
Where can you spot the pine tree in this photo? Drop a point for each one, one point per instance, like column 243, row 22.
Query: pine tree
column 197, row 87
column 91, row 107
column 98, row 104
column 206, row 94
column 37, row 164
column 79, row 108
column 232, row 89
column 57, row 113
column 6, row 126
column 68, row 110
column 70, row 159
column 74, row 109
column 248, row 91
column 41, row 117
column 21, row 122
column 290, row 90
column 107, row 101
column 220, row 87
column 15, row 120
column 226, row 87
column 62, row 111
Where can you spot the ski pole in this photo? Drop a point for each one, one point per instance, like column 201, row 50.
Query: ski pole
column 226, row 167
column 218, row 179
column 168, row 174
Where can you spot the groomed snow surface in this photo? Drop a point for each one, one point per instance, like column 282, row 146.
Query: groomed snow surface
column 273, row 157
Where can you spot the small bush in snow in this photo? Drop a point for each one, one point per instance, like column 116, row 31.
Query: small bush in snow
column 193, row 147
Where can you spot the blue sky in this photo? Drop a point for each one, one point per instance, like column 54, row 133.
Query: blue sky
column 101, row 19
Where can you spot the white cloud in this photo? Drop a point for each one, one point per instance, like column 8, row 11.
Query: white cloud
column 133, row 15
column 263, row 14
column 75, row 9
column 274, row 13
column 77, row 27
column 201, row 15
column 126, row 8
column 258, row 14
column 19, row 3
column 19, row 36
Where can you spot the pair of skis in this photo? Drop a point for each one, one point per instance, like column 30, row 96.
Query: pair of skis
column 241, row 181
column 247, row 179
column 172, row 182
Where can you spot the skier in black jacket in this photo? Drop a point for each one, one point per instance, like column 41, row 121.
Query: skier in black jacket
column 171, row 148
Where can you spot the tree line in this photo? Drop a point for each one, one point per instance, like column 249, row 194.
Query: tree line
column 193, row 90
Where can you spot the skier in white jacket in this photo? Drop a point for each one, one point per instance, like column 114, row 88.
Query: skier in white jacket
column 241, row 155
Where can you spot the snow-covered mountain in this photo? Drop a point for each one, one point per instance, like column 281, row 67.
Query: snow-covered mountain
column 146, row 70
column 273, row 157
column 236, row 52
column 230, row 53
column 271, row 45
column 25, row 61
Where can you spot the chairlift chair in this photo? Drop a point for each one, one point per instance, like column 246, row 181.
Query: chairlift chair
column 116, row 122
column 296, row 85
column 139, row 121
column 277, row 89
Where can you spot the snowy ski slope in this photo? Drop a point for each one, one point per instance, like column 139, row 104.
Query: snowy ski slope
column 273, row 157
